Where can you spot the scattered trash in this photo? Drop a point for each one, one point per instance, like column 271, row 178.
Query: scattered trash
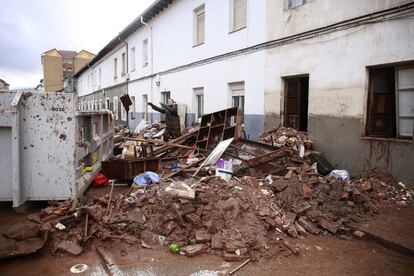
column 147, row 178
column 79, row 268
column 174, row 248
column 340, row 174
column 60, row 226
column 100, row 180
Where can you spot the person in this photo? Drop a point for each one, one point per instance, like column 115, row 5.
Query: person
column 172, row 120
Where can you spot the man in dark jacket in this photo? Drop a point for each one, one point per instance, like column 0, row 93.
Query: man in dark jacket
column 172, row 120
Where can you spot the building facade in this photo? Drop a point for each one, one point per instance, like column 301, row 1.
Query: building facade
column 59, row 65
column 4, row 86
column 343, row 71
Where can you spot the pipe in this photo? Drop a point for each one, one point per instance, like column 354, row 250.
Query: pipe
column 127, row 72
column 152, row 63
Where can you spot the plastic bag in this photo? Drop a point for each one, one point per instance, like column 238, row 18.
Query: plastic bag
column 100, row 180
column 147, row 178
column 340, row 174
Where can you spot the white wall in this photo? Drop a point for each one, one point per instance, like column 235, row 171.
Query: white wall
column 282, row 21
column 336, row 64
column 214, row 78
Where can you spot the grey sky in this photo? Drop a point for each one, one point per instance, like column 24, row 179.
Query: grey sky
column 30, row 27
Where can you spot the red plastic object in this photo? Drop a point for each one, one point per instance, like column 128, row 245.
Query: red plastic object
column 100, row 181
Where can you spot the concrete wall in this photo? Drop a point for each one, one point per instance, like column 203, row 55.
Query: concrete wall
column 338, row 86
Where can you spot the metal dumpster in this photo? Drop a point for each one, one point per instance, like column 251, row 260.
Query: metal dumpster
column 48, row 149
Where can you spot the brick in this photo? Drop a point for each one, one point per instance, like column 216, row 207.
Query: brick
column 328, row 226
column 289, row 219
column 301, row 208
column 292, row 232
column 202, row 236
column 193, row 250
column 270, row 222
column 309, row 226
column 187, row 208
column 359, row 234
column 216, row 242
column 231, row 257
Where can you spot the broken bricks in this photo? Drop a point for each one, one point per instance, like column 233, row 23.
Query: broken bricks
column 193, row 250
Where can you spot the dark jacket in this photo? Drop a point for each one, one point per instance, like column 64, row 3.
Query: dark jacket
column 172, row 120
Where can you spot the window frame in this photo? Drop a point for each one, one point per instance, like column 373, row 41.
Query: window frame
column 199, row 11
column 164, row 97
column 367, row 134
column 123, row 64
column 197, row 92
column 133, row 59
column 115, row 68
column 145, row 58
column 232, row 16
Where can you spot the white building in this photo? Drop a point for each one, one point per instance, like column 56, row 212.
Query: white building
column 340, row 70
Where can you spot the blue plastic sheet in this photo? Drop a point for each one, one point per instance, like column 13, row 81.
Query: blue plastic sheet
column 147, row 178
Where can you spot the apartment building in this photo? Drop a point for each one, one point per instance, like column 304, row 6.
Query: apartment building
column 59, row 65
column 343, row 71
column 4, row 85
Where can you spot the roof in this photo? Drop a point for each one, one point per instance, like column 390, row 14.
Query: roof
column 3, row 81
column 68, row 54
column 147, row 15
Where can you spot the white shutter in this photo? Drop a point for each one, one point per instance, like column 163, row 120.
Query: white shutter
column 405, row 102
column 240, row 13
column 200, row 26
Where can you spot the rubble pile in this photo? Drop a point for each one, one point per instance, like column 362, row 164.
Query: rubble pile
column 237, row 219
column 288, row 138
column 278, row 196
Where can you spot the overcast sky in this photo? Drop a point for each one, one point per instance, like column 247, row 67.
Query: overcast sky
column 30, row 27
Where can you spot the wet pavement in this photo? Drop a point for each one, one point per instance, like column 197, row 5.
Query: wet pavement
column 319, row 256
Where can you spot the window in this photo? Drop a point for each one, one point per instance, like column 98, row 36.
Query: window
column 123, row 113
column 391, row 102
column 100, row 106
column 199, row 23
column 89, row 82
column 115, row 68
column 69, row 61
column 107, row 103
column 238, row 14
column 115, row 107
column 133, row 59
column 96, row 105
column 145, row 103
column 199, row 102
column 165, row 96
column 145, row 52
column 132, row 109
column 295, row 3
column 124, row 70
column 237, row 95
column 100, row 76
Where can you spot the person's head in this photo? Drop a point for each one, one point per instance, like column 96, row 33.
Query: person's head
column 171, row 102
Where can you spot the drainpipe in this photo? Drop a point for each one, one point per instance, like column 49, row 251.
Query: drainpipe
column 127, row 71
column 152, row 63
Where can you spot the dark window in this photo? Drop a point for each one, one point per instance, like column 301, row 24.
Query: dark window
column 391, row 102
column 381, row 115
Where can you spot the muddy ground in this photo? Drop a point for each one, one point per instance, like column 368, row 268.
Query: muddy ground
column 320, row 255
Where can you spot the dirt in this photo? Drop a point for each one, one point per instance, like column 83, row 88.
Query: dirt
column 321, row 256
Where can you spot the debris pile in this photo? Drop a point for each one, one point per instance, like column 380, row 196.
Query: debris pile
column 273, row 195
column 288, row 138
